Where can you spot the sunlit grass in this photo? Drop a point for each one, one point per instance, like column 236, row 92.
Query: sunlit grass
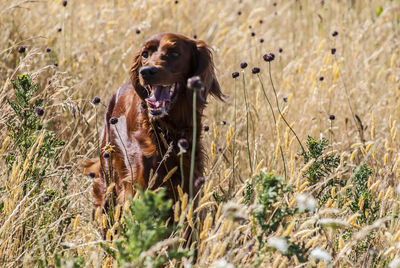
column 347, row 215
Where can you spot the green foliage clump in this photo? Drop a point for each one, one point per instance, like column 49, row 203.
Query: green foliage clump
column 249, row 193
column 146, row 225
column 368, row 211
column 25, row 127
column 361, row 191
column 323, row 165
column 300, row 251
column 269, row 213
column 35, row 147
column 272, row 211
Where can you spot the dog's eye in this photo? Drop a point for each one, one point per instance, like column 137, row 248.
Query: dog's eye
column 174, row 54
column 145, row 54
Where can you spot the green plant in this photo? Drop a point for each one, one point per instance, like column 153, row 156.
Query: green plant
column 298, row 250
column 249, row 193
column 323, row 165
column 33, row 149
column 363, row 194
column 146, row 226
column 362, row 202
column 25, row 128
column 270, row 211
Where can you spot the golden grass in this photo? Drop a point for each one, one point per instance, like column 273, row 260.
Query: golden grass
column 93, row 51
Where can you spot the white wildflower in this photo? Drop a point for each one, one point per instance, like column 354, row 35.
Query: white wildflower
column 278, row 243
column 305, row 202
column 320, row 254
column 395, row 263
column 222, row 263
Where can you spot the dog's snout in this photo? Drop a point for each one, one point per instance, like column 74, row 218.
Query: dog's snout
column 148, row 71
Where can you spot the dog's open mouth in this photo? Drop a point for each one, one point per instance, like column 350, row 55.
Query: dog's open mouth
column 161, row 99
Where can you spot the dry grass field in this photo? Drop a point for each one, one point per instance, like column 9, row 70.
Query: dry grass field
column 303, row 167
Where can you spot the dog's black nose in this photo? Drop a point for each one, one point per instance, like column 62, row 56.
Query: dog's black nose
column 148, row 71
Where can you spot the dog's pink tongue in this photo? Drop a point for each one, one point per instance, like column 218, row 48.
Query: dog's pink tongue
column 160, row 95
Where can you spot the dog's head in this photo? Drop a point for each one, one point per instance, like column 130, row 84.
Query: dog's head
column 162, row 67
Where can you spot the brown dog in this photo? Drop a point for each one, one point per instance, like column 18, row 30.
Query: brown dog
column 146, row 118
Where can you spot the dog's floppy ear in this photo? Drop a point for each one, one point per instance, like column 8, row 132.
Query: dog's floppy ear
column 204, row 67
column 134, row 75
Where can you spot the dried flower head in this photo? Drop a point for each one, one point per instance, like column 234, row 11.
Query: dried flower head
column 195, row 83
column 335, row 33
column 137, row 31
column 48, row 50
column 333, row 51
column 261, row 40
column 183, row 145
column 253, row 34
column 285, row 99
column 223, row 122
column 269, row 57
column 255, row 70
column 239, row 13
column 92, row 174
column 22, row 49
column 113, row 120
column 199, row 182
column 332, row 117
column 321, row 78
column 261, row 21
column 64, row 3
column 39, row 111
column 280, row 50
column 235, row 74
column 243, row 65
column 195, row 36
column 59, row 29
column 206, row 128
column 96, row 100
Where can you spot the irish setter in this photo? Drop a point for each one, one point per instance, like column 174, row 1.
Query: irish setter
column 147, row 117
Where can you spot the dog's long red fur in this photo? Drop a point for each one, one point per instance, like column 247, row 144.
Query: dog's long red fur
column 138, row 142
